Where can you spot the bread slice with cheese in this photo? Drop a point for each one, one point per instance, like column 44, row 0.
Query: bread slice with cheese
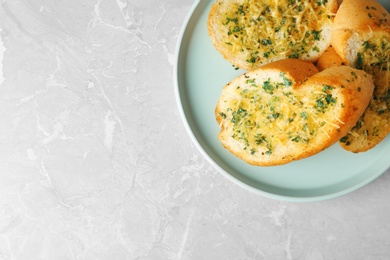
column 251, row 33
column 287, row 110
column 361, row 37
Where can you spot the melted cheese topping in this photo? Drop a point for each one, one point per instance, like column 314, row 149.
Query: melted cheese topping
column 263, row 30
column 374, row 58
column 267, row 114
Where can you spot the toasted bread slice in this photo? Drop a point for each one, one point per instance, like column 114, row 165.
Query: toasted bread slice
column 361, row 37
column 251, row 33
column 286, row 110
column 329, row 59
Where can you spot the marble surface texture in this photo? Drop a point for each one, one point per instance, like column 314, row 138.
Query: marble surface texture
column 95, row 162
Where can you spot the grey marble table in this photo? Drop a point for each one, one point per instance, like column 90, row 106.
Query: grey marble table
column 95, row 162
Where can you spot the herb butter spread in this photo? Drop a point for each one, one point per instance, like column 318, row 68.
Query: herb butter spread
column 266, row 30
column 267, row 113
column 364, row 43
column 287, row 110
column 374, row 57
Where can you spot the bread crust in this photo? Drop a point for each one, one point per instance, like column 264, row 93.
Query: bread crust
column 362, row 16
column 295, row 127
column 329, row 59
column 262, row 47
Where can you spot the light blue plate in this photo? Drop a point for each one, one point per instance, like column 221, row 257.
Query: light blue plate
column 200, row 74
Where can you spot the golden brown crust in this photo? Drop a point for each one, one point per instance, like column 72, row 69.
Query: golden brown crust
column 339, row 42
column 286, row 111
column 329, row 59
column 298, row 70
column 361, row 15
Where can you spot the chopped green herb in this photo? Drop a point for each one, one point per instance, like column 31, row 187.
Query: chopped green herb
column 238, row 115
column 274, row 116
column 266, row 42
column 286, row 81
column 223, row 115
column 322, row 2
column 259, row 139
column 252, row 60
column 233, row 20
column 345, row 140
column 359, row 61
column 325, row 88
column 268, row 88
column 304, row 115
column 330, row 99
column 296, row 139
column 316, row 35
column 240, row 10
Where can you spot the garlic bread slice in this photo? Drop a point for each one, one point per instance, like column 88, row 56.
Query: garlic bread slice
column 361, row 37
column 251, row 33
column 287, row 110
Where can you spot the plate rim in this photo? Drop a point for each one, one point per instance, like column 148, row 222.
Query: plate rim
column 219, row 168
